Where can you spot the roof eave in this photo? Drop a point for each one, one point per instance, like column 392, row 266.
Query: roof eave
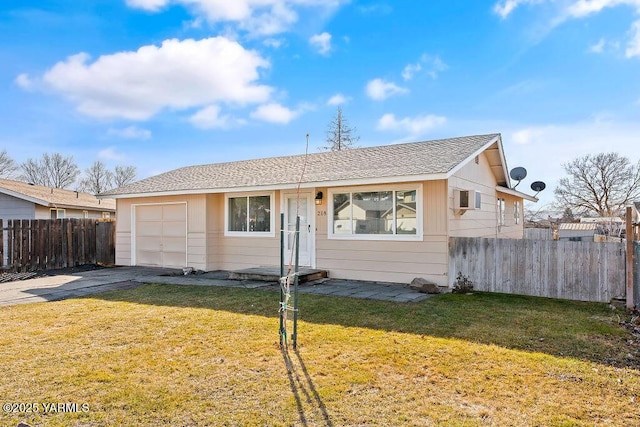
column 290, row 186
column 512, row 192
column 25, row 197
column 495, row 140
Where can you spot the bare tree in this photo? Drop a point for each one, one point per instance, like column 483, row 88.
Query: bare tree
column 97, row 178
column 602, row 184
column 124, row 175
column 340, row 135
column 52, row 170
column 8, row 167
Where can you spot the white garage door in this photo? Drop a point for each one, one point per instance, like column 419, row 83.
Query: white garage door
column 161, row 235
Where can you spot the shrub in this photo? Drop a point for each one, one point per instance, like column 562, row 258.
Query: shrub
column 462, row 285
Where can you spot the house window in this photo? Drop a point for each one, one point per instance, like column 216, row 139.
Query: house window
column 249, row 215
column 57, row 213
column 500, row 208
column 478, row 200
column 85, row 214
column 516, row 212
column 382, row 214
column 106, row 215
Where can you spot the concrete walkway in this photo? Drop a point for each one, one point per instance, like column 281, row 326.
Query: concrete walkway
column 60, row 287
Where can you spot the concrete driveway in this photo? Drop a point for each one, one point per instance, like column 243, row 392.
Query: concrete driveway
column 53, row 288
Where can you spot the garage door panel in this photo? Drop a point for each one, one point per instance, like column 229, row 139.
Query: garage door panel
column 161, row 235
column 173, row 244
column 150, row 258
column 173, row 213
column 149, row 243
column 173, row 259
column 144, row 228
column 149, row 213
column 174, row 229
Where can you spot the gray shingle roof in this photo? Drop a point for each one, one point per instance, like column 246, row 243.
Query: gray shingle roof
column 416, row 158
column 55, row 197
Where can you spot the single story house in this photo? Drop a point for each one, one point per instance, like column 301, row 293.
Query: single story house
column 376, row 213
column 21, row 200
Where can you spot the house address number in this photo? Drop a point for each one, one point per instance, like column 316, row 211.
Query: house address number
column 321, row 213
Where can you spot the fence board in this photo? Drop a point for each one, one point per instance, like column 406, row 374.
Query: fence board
column 586, row 271
column 44, row 244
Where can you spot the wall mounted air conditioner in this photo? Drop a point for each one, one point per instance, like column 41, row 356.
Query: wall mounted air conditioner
column 466, row 199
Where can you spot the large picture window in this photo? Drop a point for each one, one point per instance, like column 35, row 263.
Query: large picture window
column 250, row 214
column 381, row 214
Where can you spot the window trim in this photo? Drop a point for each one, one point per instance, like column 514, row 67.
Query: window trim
column 57, row 211
column 378, row 188
column 501, row 206
column 272, row 219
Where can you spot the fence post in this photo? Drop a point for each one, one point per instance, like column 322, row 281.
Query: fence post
column 629, row 237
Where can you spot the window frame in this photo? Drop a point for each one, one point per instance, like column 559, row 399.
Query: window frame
column 516, row 212
column 394, row 188
column 272, row 216
column 501, row 208
column 57, row 211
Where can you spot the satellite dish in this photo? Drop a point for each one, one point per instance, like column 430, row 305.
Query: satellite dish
column 518, row 174
column 538, row 186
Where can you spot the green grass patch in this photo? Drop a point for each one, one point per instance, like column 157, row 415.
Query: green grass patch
column 178, row 355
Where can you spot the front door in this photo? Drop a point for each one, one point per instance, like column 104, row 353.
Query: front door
column 299, row 206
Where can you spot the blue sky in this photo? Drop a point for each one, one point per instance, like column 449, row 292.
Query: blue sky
column 161, row 84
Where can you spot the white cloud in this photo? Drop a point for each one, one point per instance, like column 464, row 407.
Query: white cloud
column 321, row 42
column 597, row 47
column 410, row 70
column 633, row 47
column 542, row 149
column 378, row 89
column 503, row 8
column 273, row 43
column 24, row 81
column 210, row 118
column 582, row 8
column 338, row 99
column 177, row 75
column 110, row 153
column 413, row 126
column 432, row 66
column 274, row 113
column 130, row 132
column 258, row 17
column 150, row 5
column 576, row 9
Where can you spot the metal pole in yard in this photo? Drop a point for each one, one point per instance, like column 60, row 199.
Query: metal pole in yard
column 629, row 237
column 294, row 336
column 282, row 331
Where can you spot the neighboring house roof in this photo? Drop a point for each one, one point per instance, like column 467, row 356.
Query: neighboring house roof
column 578, row 226
column 427, row 160
column 602, row 219
column 55, row 197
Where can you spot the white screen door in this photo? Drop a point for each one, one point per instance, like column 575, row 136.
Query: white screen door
column 303, row 208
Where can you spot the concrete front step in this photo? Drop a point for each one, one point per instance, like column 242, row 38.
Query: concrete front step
column 272, row 274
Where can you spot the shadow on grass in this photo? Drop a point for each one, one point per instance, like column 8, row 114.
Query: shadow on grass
column 588, row 331
column 304, row 386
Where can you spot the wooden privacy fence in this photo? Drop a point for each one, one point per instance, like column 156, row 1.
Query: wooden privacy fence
column 39, row 244
column 584, row 271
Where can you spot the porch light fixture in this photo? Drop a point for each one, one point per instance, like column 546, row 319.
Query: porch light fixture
column 319, row 198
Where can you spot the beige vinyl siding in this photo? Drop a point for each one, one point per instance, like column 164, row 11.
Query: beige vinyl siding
column 237, row 252
column 196, row 227
column 44, row 212
column 479, row 222
column 511, row 230
column 388, row 260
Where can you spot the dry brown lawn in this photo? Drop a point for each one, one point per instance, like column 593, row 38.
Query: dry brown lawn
column 165, row 355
